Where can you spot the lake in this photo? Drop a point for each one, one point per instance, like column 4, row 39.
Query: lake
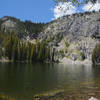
column 22, row 81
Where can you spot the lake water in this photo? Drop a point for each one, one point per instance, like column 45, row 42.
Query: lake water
column 22, row 81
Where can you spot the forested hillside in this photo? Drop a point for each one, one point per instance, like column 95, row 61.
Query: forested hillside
column 14, row 49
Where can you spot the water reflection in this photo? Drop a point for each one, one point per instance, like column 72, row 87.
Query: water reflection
column 25, row 80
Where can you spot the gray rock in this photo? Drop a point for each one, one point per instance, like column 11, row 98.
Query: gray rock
column 81, row 29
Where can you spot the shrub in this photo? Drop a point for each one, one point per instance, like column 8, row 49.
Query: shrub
column 82, row 55
column 96, row 55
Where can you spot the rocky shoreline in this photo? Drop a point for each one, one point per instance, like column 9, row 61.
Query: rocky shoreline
column 3, row 60
column 64, row 61
column 85, row 62
column 66, row 96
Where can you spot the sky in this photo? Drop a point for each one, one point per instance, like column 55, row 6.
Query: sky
column 34, row 10
column 67, row 8
column 41, row 10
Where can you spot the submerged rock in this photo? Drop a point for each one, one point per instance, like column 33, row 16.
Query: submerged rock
column 92, row 98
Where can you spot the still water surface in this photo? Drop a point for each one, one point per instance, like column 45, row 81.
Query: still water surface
column 22, row 81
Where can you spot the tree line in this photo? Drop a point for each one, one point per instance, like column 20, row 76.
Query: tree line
column 14, row 49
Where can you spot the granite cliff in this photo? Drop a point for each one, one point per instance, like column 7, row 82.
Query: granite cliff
column 74, row 36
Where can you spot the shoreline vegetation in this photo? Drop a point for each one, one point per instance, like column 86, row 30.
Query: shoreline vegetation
column 15, row 50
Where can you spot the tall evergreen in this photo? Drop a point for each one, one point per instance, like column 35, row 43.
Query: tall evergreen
column 17, row 50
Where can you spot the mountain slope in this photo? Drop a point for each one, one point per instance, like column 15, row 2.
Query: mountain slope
column 9, row 24
column 80, row 31
column 70, row 37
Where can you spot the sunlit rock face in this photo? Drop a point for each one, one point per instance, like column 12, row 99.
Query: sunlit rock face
column 9, row 24
column 82, row 30
column 74, row 26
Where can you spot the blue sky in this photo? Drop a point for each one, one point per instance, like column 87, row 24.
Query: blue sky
column 40, row 10
column 34, row 10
